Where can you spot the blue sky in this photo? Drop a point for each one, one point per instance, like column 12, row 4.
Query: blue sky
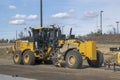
column 81, row 15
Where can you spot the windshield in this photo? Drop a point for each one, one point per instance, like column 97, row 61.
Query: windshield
column 46, row 34
column 44, row 37
column 36, row 33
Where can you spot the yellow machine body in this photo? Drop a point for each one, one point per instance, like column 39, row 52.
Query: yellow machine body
column 118, row 58
column 87, row 48
column 24, row 45
column 47, row 43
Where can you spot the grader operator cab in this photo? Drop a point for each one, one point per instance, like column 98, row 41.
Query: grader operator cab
column 45, row 44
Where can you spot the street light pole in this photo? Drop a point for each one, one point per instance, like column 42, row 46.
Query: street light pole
column 117, row 22
column 41, row 14
column 101, row 16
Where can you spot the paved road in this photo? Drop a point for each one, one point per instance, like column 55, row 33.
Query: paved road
column 45, row 72
column 7, row 77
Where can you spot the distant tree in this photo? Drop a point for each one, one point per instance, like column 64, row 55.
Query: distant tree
column 6, row 40
column 2, row 40
column 21, row 34
column 113, row 31
column 12, row 41
column 97, row 33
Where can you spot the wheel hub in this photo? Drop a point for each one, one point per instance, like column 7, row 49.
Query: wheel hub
column 26, row 58
column 16, row 58
column 71, row 60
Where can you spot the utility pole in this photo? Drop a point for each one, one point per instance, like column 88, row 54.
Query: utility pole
column 117, row 22
column 41, row 14
column 101, row 21
column 16, row 34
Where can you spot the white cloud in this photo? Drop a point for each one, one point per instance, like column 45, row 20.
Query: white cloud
column 71, row 10
column 17, row 22
column 28, row 17
column 90, row 14
column 12, row 7
column 20, row 19
column 19, row 16
column 61, row 15
column 32, row 17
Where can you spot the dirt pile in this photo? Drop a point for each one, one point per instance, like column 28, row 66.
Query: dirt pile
column 3, row 51
column 105, row 39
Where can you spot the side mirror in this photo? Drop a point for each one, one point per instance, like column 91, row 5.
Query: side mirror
column 72, row 36
column 29, row 33
column 63, row 37
column 70, row 32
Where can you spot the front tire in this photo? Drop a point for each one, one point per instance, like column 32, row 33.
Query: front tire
column 28, row 58
column 73, row 59
column 98, row 62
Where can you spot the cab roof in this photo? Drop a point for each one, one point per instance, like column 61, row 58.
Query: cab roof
column 40, row 28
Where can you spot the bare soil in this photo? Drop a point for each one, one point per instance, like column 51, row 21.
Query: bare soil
column 45, row 72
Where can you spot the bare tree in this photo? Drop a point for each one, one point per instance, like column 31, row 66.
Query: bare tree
column 21, row 34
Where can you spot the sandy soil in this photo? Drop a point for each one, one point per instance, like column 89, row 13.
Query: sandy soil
column 45, row 72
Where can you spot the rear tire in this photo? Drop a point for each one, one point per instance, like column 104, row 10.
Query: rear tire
column 98, row 62
column 73, row 59
column 28, row 58
column 17, row 57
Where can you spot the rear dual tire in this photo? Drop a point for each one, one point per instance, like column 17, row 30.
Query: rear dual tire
column 17, row 57
column 28, row 58
column 97, row 63
column 74, row 60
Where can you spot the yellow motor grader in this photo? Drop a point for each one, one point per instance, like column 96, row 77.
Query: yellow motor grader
column 114, row 60
column 45, row 44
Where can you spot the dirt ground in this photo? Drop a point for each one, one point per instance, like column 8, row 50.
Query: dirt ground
column 45, row 72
